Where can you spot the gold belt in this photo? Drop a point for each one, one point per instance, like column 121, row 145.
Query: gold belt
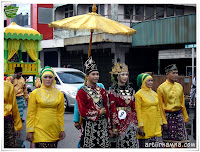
column 124, row 108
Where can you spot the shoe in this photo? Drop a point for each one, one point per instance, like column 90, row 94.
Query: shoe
column 22, row 120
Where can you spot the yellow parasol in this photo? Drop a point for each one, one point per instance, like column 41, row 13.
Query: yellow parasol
column 93, row 21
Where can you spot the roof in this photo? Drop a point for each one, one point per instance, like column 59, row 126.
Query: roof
column 14, row 31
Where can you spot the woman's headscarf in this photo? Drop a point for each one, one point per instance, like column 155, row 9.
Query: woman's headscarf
column 47, row 70
column 141, row 79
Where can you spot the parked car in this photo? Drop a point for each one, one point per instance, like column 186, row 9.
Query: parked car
column 67, row 81
column 29, row 84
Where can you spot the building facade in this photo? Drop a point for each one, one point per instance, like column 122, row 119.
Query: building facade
column 162, row 32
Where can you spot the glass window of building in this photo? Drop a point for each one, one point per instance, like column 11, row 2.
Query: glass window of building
column 159, row 11
column 128, row 11
column 149, row 12
column 179, row 11
column 139, row 12
column 69, row 10
column 170, row 11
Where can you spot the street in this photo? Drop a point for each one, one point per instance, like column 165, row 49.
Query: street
column 72, row 134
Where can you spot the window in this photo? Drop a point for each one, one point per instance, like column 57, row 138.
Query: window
column 159, row 12
column 128, row 11
column 71, row 77
column 139, row 12
column 57, row 81
column 170, row 11
column 45, row 15
column 179, row 11
column 149, row 12
column 69, row 10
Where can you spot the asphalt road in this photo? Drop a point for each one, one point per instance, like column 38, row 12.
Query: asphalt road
column 72, row 134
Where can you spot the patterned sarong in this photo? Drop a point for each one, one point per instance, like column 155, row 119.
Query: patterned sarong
column 176, row 128
column 20, row 104
column 129, row 138
column 95, row 134
column 9, row 132
column 46, row 144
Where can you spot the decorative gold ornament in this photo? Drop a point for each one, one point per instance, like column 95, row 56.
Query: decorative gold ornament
column 95, row 100
column 127, row 101
column 118, row 68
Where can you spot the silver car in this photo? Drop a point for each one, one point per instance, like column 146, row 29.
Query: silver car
column 67, row 81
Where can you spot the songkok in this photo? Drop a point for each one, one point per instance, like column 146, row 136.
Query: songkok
column 170, row 68
column 18, row 69
column 118, row 68
column 90, row 66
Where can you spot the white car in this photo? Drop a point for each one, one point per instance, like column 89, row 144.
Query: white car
column 29, row 84
column 67, row 81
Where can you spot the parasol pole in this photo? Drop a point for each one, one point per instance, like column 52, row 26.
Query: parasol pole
column 94, row 8
column 89, row 51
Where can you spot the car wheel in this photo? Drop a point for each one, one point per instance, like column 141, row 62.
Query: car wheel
column 65, row 102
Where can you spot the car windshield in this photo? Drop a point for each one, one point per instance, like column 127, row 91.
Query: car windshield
column 71, row 77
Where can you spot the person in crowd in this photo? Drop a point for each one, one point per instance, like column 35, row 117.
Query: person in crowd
column 37, row 83
column 122, row 109
column 45, row 114
column 5, row 78
column 193, row 104
column 76, row 118
column 172, row 107
column 20, row 89
column 69, row 66
column 93, row 107
column 148, row 113
column 12, row 120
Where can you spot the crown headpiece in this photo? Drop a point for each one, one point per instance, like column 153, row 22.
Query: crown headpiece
column 90, row 65
column 118, row 68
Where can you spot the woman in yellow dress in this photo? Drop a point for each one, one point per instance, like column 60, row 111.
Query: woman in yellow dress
column 45, row 115
column 12, row 119
column 148, row 113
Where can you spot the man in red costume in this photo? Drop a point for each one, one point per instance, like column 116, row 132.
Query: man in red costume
column 93, row 107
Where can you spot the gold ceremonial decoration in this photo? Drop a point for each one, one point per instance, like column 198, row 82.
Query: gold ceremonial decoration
column 117, row 68
column 123, row 108
column 95, row 100
column 127, row 101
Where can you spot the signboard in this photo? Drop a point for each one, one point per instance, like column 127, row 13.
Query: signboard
column 190, row 46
